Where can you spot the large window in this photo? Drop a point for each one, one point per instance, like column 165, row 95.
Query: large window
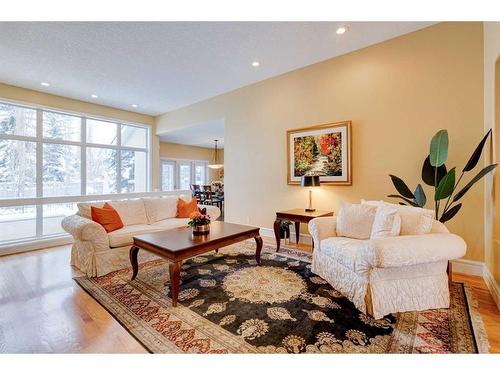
column 46, row 154
column 181, row 174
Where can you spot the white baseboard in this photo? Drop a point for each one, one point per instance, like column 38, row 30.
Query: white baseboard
column 492, row 286
column 475, row 268
column 468, row 267
column 303, row 238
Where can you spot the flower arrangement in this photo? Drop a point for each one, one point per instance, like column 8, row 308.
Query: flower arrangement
column 199, row 221
column 199, row 217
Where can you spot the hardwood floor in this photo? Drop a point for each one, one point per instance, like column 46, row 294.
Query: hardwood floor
column 42, row 310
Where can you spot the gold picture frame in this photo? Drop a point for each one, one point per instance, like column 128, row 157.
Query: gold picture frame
column 323, row 150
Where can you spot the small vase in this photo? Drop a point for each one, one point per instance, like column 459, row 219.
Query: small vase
column 201, row 229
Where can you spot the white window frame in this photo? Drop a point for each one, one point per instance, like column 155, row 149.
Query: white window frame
column 173, row 164
column 39, row 200
column 177, row 163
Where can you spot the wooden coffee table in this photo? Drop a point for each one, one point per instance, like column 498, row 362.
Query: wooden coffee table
column 179, row 244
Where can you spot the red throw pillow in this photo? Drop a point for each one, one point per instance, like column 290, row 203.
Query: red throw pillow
column 107, row 216
column 184, row 209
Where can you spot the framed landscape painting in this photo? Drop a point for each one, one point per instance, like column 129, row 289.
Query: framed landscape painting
column 321, row 150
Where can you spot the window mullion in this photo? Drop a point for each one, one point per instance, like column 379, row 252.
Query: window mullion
column 83, row 157
column 119, row 157
column 177, row 175
column 193, row 173
column 39, row 171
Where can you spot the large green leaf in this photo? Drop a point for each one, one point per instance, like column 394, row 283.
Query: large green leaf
column 476, row 154
column 439, row 148
column 450, row 213
column 446, row 185
column 428, row 172
column 476, row 178
column 401, row 187
column 412, row 203
column 420, row 197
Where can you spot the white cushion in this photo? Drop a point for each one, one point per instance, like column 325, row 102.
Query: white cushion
column 131, row 211
column 84, row 209
column 356, row 220
column 160, row 208
column 414, row 220
column 171, row 223
column 124, row 236
column 345, row 251
column 416, row 249
column 387, row 222
column 438, row 227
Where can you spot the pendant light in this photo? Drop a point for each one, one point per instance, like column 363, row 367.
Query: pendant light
column 215, row 164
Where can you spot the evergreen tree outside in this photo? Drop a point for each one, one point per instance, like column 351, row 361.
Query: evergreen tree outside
column 17, row 158
column 61, row 163
column 128, row 172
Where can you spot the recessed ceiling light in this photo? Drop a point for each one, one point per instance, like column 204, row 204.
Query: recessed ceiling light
column 94, row 96
column 45, row 84
column 256, row 64
column 135, row 105
column 341, row 30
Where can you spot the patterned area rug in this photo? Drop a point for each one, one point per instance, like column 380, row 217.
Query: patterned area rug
column 227, row 304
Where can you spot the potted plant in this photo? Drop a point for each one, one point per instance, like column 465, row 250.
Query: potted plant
column 285, row 229
column 435, row 174
column 200, row 221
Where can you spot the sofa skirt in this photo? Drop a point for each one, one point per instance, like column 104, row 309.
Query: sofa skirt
column 95, row 264
column 391, row 290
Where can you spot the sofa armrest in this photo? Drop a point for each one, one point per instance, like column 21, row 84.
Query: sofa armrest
column 83, row 229
column 213, row 211
column 322, row 227
column 411, row 250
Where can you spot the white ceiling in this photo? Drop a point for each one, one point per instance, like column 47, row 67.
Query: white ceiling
column 162, row 66
column 201, row 135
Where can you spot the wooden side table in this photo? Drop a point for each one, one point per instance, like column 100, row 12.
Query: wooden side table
column 297, row 215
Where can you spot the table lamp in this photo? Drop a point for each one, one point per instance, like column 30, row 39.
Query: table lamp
column 310, row 182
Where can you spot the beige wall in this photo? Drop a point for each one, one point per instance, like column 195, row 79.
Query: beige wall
column 178, row 151
column 494, row 256
column 397, row 93
column 26, row 96
column 492, row 110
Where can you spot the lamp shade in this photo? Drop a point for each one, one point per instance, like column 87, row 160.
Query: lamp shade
column 309, row 181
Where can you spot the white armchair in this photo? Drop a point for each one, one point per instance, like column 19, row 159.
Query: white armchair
column 387, row 275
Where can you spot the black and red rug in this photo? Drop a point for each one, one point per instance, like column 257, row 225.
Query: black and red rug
column 229, row 305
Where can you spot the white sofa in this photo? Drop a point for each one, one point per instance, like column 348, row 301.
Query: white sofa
column 97, row 253
column 387, row 275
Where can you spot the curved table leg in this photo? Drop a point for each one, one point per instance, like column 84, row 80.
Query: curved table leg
column 258, row 242
column 134, row 250
column 175, row 278
column 277, row 233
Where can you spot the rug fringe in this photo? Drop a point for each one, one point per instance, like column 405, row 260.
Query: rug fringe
column 478, row 329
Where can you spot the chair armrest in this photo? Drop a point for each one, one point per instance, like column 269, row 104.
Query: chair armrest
column 83, row 229
column 213, row 211
column 411, row 250
column 322, row 227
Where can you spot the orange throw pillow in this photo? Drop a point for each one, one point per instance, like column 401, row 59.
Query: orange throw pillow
column 184, row 209
column 107, row 216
